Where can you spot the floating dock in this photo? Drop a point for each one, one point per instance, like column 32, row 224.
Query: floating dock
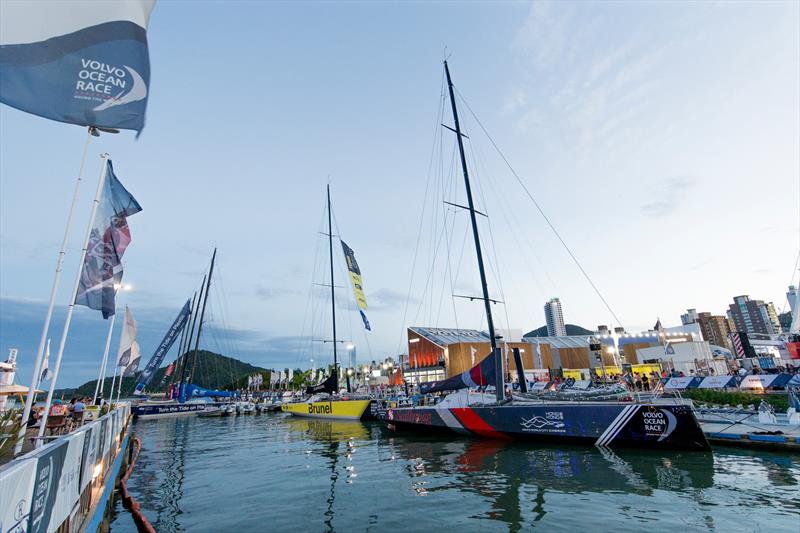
column 747, row 429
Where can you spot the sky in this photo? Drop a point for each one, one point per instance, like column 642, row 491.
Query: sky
column 661, row 139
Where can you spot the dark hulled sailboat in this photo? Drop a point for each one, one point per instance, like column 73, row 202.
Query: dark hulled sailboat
column 665, row 423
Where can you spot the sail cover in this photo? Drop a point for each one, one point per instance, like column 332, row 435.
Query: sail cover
column 329, row 385
column 479, row 375
column 76, row 61
column 166, row 343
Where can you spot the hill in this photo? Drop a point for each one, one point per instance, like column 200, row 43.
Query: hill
column 572, row 329
column 212, row 371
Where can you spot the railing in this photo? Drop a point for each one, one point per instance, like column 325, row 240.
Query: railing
column 55, row 486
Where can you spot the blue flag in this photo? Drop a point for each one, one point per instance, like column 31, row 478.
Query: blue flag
column 84, row 63
column 163, row 348
column 110, row 236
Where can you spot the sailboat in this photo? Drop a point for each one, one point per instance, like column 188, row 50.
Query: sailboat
column 325, row 402
column 185, row 398
column 656, row 423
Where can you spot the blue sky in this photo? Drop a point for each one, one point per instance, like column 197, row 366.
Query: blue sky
column 661, row 139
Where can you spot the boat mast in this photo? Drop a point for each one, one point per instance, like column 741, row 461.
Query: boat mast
column 203, row 313
column 498, row 361
column 185, row 350
column 188, row 330
column 333, row 296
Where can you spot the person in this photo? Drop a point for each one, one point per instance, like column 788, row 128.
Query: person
column 645, row 382
column 36, row 415
column 58, row 408
column 78, row 406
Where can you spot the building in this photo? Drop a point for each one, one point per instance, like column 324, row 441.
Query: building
column 754, row 316
column 690, row 317
column 714, row 329
column 439, row 353
column 554, row 316
column 792, row 297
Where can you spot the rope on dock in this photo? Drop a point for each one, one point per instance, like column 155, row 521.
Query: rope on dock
column 128, row 501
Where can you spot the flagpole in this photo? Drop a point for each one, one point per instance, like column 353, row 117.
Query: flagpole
column 71, row 307
column 113, row 382
column 101, row 379
column 37, row 365
column 119, row 386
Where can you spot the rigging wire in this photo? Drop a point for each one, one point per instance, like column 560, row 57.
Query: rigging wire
column 541, row 211
column 422, row 216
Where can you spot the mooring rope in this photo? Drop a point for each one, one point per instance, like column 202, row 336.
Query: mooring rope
column 128, row 501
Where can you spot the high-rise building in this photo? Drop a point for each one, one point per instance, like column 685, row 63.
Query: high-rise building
column 754, row 316
column 792, row 297
column 690, row 317
column 555, row 318
column 715, row 329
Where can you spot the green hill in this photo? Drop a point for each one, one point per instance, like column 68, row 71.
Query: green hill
column 572, row 329
column 211, row 371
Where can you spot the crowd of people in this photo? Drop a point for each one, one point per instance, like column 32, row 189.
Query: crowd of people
column 63, row 417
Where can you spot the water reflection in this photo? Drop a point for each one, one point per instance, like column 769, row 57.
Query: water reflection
column 498, row 471
column 351, row 476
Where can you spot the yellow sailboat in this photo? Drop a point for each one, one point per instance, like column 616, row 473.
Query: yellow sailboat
column 333, row 408
column 325, row 402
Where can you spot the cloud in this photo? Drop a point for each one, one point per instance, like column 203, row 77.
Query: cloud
column 669, row 195
column 389, row 298
column 21, row 323
column 273, row 293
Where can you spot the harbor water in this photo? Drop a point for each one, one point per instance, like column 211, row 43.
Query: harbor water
column 278, row 473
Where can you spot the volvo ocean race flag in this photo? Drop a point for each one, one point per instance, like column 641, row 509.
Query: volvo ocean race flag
column 110, row 236
column 74, row 61
column 163, row 348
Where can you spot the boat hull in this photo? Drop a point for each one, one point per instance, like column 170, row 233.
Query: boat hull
column 647, row 426
column 165, row 410
column 333, row 409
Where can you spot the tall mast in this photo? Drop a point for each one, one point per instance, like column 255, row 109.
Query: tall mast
column 498, row 361
column 185, row 350
column 187, row 334
column 333, row 296
column 203, row 311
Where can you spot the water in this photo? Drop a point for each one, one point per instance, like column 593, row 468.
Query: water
column 277, row 473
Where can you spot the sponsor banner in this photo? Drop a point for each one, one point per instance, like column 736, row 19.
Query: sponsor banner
column 717, row 382
column 163, row 348
column 89, row 456
column 688, row 382
column 84, row 63
column 16, row 491
column 102, row 441
column 355, row 276
column 48, row 473
column 762, row 381
column 67, row 492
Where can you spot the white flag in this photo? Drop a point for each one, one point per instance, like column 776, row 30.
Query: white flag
column 128, row 354
column 46, row 374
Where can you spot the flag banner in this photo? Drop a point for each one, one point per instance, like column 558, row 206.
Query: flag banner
column 77, row 61
column 364, row 319
column 355, row 276
column 478, row 376
column 167, row 373
column 356, row 282
column 166, row 343
column 110, row 237
column 129, row 354
column 46, row 373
